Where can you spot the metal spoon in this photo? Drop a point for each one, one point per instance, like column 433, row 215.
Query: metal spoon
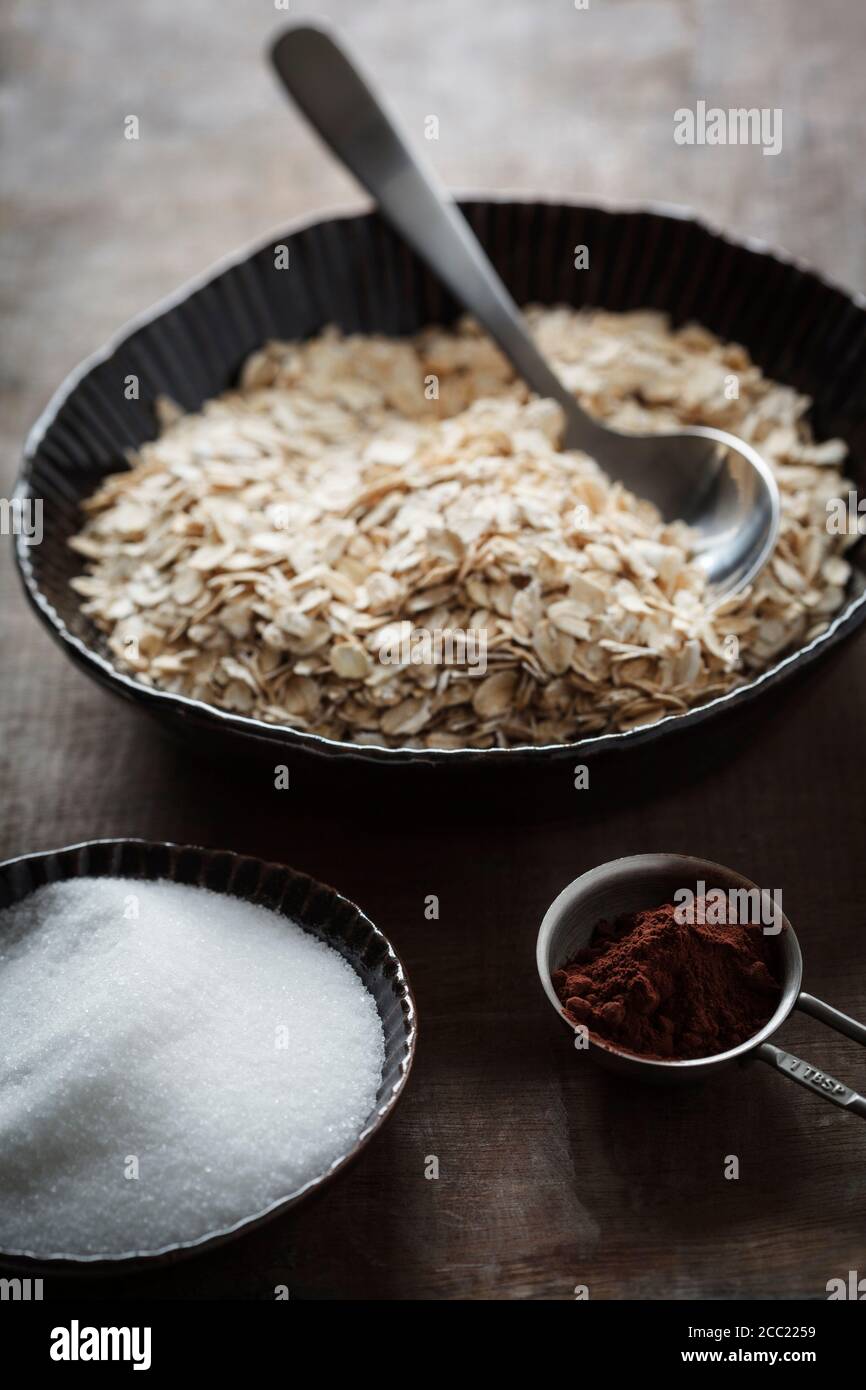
column 642, row 880
column 715, row 482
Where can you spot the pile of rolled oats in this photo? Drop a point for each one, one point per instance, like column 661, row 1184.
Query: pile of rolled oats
column 281, row 553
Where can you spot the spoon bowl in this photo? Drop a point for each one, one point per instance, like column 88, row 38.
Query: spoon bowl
column 719, row 485
column 712, row 480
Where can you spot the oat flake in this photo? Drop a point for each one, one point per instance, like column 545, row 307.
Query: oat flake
column 264, row 554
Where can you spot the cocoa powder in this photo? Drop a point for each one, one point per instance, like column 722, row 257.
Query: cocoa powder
column 668, row 989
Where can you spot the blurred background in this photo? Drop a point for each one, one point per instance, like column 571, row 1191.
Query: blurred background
column 530, row 95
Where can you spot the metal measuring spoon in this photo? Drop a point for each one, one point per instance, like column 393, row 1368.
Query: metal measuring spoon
column 642, row 880
column 716, row 483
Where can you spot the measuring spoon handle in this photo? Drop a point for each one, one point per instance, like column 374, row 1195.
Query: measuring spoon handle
column 813, row 1078
column 834, row 1018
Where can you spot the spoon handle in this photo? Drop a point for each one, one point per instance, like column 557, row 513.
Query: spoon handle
column 834, row 1018
column 336, row 100
column 824, row 1085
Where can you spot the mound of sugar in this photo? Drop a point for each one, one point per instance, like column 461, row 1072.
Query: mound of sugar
column 172, row 1060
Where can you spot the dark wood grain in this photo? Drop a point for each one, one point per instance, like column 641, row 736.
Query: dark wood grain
column 552, row 1174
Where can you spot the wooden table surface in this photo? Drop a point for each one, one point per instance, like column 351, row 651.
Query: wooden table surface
column 551, row 1174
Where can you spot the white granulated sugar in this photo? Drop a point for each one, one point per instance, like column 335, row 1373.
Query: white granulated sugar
column 212, row 1046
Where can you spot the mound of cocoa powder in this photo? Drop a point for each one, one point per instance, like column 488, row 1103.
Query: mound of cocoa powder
column 669, row 989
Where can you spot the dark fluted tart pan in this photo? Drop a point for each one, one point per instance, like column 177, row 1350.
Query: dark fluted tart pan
column 319, row 909
column 354, row 272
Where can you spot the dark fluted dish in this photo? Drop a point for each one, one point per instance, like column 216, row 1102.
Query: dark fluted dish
column 354, row 272
column 319, row 909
